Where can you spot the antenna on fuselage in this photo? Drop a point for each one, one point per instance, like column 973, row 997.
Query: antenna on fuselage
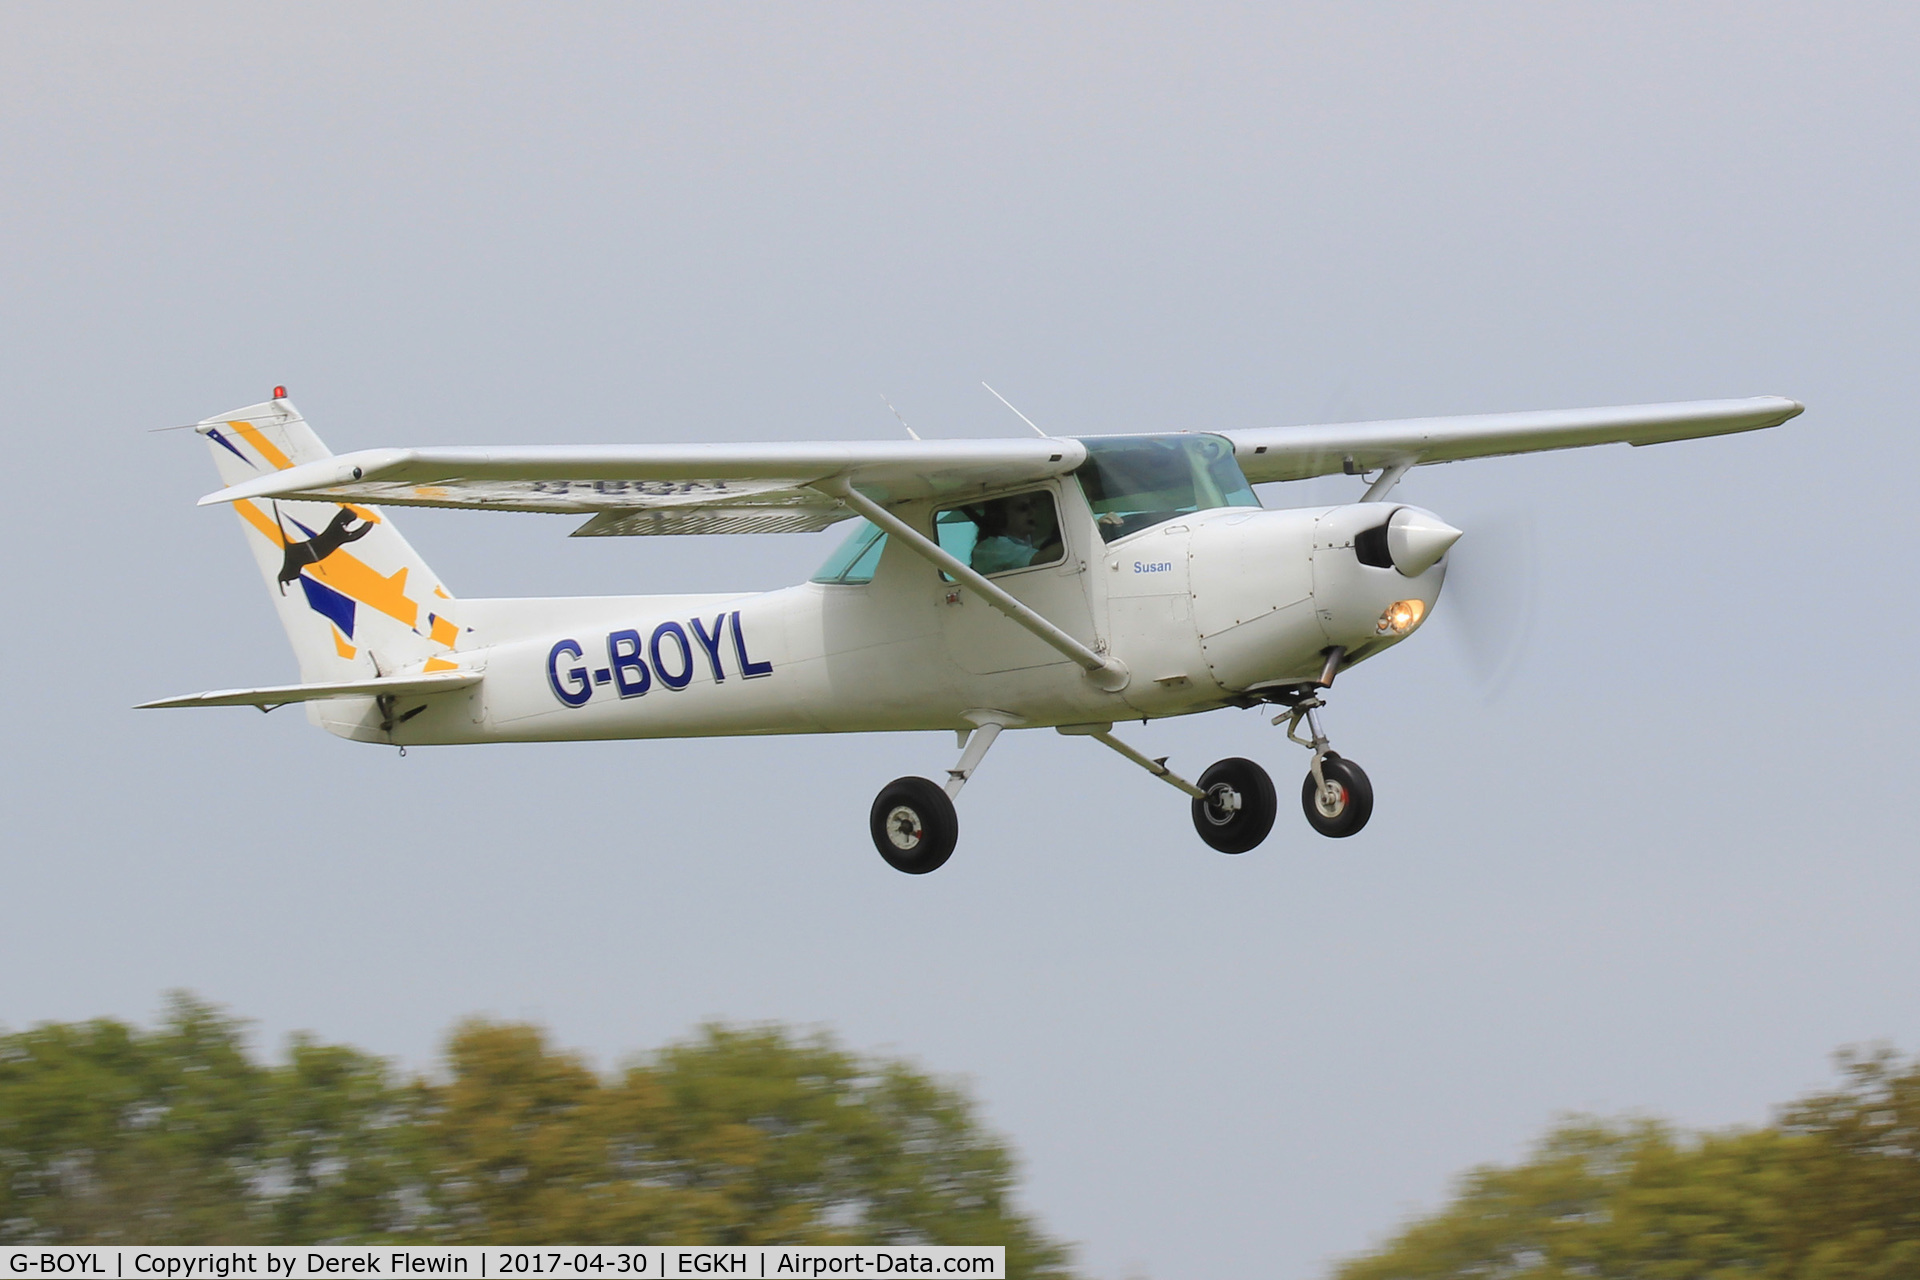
column 896, row 413
column 1016, row 413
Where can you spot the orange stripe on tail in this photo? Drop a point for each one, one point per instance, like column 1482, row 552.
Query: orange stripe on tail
column 268, row 450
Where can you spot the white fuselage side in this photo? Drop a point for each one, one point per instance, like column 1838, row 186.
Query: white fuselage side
column 1204, row 611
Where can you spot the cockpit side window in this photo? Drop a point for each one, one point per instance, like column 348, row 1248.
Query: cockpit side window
column 1001, row 535
column 857, row 557
column 1135, row 482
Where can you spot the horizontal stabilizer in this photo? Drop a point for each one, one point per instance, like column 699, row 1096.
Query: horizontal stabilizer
column 281, row 695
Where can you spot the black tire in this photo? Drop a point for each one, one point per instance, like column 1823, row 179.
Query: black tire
column 1232, row 829
column 1355, row 805
column 914, row 826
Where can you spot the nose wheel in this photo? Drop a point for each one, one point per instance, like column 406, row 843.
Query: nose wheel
column 1340, row 800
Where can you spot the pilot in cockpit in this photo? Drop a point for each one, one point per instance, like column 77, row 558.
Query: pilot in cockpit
column 1015, row 533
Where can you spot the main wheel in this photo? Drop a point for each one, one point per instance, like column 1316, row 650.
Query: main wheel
column 914, row 825
column 1347, row 802
column 1239, row 806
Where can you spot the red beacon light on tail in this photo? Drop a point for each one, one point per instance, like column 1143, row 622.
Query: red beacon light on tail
column 279, row 393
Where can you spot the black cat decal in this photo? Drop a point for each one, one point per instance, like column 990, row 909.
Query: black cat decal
column 318, row 547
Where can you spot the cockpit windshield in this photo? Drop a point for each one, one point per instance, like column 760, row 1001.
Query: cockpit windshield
column 1135, row 482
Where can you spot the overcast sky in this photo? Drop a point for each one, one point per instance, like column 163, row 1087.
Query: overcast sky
column 1661, row 860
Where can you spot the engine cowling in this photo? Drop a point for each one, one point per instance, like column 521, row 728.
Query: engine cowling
column 1376, row 574
column 1271, row 591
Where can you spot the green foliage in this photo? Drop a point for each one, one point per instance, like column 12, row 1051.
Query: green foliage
column 109, row 1135
column 1831, row 1191
column 750, row 1136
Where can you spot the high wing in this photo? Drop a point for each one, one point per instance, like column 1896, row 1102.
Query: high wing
column 689, row 488
column 780, row 488
column 1298, row 453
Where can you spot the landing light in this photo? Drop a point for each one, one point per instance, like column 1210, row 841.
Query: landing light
column 1401, row 617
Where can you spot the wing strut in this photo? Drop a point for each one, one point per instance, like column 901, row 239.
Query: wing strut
column 1383, row 485
column 1110, row 674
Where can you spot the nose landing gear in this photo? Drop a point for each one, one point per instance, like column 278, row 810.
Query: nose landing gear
column 1336, row 795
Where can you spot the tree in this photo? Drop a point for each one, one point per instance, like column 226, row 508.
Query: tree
column 340, row 1159
column 737, row 1136
column 1831, row 1191
column 741, row 1136
column 109, row 1135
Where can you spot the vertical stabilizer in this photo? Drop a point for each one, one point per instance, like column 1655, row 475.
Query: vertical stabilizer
column 357, row 601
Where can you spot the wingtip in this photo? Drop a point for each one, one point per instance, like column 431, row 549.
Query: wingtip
column 164, row 703
column 1784, row 409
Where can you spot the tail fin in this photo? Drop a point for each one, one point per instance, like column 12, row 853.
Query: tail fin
column 356, row 600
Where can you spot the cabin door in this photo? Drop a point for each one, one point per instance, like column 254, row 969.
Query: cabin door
column 1020, row 542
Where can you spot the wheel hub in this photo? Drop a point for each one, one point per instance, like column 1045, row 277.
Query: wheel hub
column 1223, row 802
column 903, row 828
column 1331, row 800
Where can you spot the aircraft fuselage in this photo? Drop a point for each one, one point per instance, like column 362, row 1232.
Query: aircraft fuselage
column 1204, row 610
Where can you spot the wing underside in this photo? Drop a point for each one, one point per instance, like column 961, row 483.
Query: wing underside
column 629, row 490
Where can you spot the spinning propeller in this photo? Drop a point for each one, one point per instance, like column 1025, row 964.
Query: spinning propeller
column 1490, row 597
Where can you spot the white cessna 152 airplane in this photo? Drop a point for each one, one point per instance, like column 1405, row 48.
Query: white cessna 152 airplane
column 988, row 585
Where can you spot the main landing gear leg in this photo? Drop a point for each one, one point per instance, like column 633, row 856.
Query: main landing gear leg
column 1336, row 795
column 1103, row 734
column 976, row 751
column 1233, row 803
column 913, row 821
